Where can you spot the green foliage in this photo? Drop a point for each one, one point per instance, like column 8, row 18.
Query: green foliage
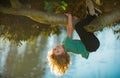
column 116, row 30
column 49, row 6
column 63, row 5
column 55, row 7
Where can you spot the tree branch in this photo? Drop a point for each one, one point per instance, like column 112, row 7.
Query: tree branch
column 60, row 19
column 38, row 16
column 104, row 20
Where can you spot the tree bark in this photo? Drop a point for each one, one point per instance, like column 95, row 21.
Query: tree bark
column 104, row 20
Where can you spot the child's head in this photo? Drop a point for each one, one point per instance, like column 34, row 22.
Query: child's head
column 59, row 62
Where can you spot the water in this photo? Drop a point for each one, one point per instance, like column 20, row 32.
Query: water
column 29, row 60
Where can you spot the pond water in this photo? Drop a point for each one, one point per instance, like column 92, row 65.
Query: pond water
column 29, row 59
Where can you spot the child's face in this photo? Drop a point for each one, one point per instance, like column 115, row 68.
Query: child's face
column 58, row 50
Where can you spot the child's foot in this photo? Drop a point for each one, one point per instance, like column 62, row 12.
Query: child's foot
column 91, row 10
column 97, row 12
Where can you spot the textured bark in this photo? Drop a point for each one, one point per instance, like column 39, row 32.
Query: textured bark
column 104, row 20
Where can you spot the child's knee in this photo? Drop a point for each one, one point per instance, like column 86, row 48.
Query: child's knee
column 93, row 47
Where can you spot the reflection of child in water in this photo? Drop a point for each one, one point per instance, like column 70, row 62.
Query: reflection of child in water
column 58, row 57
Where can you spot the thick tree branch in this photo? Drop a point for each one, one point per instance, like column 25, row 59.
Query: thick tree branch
column 61, row 19
column 38, row 16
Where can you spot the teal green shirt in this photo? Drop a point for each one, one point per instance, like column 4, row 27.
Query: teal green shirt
column 75, row 46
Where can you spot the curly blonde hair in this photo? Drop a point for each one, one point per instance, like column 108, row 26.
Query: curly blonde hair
column 58, row 63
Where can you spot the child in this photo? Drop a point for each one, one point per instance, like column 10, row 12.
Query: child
column 58, row 57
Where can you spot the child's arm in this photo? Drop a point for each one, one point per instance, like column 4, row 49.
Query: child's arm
column 69, row 26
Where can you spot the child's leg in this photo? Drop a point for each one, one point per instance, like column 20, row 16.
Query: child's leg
column 89, row 39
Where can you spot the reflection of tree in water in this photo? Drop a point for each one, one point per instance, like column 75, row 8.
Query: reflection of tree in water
column 19, row 28
column 29, row 65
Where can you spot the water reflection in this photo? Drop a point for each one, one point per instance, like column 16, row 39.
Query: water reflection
column 29, row 59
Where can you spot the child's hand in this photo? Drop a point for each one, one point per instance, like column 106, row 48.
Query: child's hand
column 69, row 15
